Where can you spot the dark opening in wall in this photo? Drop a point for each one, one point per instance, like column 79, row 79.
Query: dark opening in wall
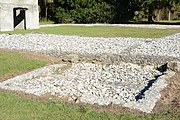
column 19, row 14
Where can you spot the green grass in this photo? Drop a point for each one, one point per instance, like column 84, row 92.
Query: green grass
column 19, row 108
column 13, row 107
column 103, row 31
column 14, row 62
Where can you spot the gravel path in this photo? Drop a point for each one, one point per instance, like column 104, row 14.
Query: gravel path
column 133, row 50
column 117, row 25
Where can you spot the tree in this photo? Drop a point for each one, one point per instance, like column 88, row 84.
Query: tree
column 124, row 9
column 152, row 5
column 83, row 11
column 105, row 11
column 45, row 5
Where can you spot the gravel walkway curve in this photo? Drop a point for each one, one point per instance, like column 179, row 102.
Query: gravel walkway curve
column 132, row 50
column 116, row 25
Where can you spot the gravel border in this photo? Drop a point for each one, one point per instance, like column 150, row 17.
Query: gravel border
column 108, row 50
column 125, row 84
column 116, row 25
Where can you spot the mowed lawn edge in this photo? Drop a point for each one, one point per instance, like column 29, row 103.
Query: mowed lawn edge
column 103, row 31
column 23, row 107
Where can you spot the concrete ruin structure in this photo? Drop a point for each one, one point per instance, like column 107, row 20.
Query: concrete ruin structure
column 19, row 14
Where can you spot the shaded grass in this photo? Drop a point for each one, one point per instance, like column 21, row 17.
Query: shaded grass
column 103, row 31
column 171, row 21
column 44, row 22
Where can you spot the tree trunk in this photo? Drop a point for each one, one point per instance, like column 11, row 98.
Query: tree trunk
column 42, row 4
column 158, row 15
column 169, row 16
column 150, row 14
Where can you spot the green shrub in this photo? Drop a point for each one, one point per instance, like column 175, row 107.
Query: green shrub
column 83, row 11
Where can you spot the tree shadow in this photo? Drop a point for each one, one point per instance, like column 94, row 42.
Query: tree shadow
column 141, row 94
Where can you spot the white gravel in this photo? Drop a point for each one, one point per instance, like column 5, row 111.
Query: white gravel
column 94, row 83
column 117, row 25
column 162, row 48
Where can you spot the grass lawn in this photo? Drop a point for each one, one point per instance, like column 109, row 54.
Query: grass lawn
column 103, row 31
column 15, row 62
column 19, row 107
column 14, row 107
column 12, row 63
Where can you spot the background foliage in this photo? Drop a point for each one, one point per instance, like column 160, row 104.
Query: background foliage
column 108, row 11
